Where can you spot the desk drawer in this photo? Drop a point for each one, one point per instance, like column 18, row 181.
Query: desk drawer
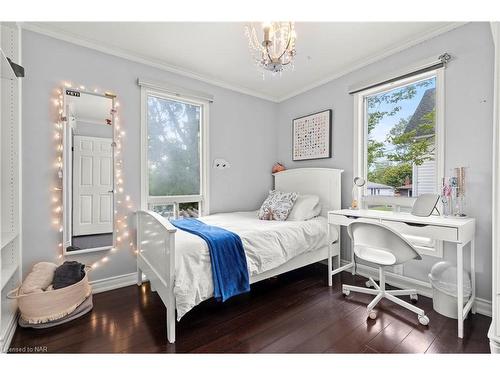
column 339, row 219
column 432, row 231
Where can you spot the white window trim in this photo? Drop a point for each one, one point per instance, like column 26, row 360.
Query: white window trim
column 360, row 155
column 203, row 198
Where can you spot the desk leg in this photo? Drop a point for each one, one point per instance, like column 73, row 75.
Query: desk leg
column 460, row 289
column 353, row 271
column 330, row 263
column 473, row 273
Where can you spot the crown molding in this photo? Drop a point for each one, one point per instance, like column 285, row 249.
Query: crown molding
column 374, row 58
column 84, row 42
column 138, row 58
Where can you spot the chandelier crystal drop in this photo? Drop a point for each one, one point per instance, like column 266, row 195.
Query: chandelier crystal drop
column 273, row 46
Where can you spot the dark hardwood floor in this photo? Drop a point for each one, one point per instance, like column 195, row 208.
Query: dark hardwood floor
column 293, row 313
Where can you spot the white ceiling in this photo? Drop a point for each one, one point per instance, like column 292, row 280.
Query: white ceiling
column 218, row 53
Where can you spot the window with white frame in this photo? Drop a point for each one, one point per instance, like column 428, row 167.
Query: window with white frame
column 174, row 132
column 399, row 144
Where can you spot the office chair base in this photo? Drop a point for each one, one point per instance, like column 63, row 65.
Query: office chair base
column 372, row 314
column 424, row 320
column 381, row 293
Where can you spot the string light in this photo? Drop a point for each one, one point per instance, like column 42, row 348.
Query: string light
column 121, row 225
column 57, row 190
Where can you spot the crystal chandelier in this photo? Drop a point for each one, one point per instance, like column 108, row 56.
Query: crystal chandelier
column 276, row 52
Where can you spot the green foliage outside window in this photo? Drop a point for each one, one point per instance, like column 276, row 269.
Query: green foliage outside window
column 390, row 161
column 173, row 147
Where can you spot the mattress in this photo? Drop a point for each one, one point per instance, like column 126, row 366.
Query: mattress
column 267, row 244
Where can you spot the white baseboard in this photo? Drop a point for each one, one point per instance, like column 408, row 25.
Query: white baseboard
column 9, row 333
column 483, row 307
column 115, row 282
column 423, row 288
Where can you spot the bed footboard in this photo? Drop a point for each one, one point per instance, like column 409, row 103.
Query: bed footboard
column 156, row 259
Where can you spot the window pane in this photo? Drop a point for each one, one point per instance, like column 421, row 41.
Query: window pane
column 165, row 210
column 401, row 140
column 173, row 147
column 388, row 207
column 189, row 209
column 382, row 207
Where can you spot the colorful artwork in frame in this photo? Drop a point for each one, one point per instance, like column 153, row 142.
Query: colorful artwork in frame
column 312, row 136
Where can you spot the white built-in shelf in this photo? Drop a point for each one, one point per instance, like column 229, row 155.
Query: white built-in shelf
column 7, row 273
column 10, row 169
column 8, row 237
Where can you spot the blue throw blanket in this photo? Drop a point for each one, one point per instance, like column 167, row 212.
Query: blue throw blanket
column 229, row 264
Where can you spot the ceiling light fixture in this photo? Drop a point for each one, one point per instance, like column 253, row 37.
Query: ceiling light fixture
column 276, row 52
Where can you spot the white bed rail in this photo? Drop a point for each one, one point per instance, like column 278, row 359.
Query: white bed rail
column 156, row 259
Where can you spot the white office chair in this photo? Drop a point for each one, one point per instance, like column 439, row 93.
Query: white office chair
column 380, row 245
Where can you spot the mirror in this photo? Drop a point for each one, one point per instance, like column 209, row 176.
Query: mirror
column 359, row 181
column 88, row 176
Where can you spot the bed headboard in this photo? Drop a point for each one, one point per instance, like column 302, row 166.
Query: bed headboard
column 323, row 182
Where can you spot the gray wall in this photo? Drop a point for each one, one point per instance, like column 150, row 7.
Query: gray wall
column 241, row 131
column 468, row 124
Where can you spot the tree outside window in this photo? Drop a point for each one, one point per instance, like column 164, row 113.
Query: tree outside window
column 173, row 147
column 174, row 156
column 401, row 138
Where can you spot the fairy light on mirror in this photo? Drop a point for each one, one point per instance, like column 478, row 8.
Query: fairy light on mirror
column 123, row 203
column 57, row 190
column 122, row 200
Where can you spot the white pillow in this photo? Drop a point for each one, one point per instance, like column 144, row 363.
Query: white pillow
column 306, row 207
column 39, row 278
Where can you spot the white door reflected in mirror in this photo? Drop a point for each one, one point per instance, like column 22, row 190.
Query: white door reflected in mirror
column 88, row 178
column 92, row 185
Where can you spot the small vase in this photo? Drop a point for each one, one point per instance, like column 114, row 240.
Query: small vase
column 446, row 205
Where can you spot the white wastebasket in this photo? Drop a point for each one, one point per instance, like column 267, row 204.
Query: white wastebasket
column 443, row 278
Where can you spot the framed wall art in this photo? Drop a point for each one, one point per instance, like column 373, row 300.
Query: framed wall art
column 312, row 136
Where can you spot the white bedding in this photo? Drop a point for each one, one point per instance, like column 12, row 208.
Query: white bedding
column 267, row 244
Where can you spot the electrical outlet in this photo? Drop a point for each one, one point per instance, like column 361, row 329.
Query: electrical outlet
column 221, row 164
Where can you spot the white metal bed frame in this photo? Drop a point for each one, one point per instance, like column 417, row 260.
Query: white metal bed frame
column 156, row 237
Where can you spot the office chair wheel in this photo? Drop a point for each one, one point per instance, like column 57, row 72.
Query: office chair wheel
column 372, row 314
column 345, row 292
column 369, row 284
column 414, row 298
column 423, row 319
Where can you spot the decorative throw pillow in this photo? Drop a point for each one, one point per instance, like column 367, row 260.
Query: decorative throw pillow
column 277, row 205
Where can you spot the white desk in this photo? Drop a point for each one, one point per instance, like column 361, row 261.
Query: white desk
column 458, row 231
